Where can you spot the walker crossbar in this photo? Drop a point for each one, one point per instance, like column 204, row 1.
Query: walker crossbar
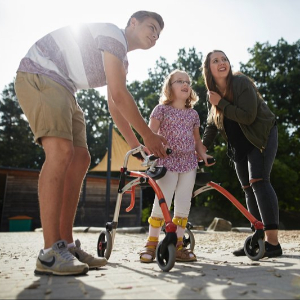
column 254, row 246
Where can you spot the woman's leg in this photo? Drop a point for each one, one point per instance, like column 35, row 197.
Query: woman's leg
column 260, row 166
column 242, row 172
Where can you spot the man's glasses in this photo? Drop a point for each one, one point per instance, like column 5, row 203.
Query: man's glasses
column 181, row 82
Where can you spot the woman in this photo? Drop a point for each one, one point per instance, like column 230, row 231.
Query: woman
column 237, row 110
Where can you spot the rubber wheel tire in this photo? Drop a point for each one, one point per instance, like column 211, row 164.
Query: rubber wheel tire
column 167, row 262
column 104, row 245
column 189, row 242
column 258, row 251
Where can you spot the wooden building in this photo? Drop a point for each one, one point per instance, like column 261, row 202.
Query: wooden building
column 19, row 197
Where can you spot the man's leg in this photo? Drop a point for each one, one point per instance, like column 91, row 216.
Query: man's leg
column 72, row 186
column 59, row 153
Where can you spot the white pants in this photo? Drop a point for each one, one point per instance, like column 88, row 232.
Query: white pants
column 182, row 185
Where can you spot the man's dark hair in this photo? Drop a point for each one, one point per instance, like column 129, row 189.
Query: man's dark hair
column 143, row 14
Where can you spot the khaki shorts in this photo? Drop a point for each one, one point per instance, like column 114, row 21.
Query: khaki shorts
column 50, row 109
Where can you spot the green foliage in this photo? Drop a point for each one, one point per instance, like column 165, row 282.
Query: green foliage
column 17, row 147
column 145, row 214
column 147, row 93
column 274, row 68
column 276, row 71
column 97, row 118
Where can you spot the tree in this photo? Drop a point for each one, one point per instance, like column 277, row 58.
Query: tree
column 97, row 118
column 147, row 93
column 17, row 147
column 276, row 71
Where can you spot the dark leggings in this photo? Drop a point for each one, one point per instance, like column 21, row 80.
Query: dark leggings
column 261, row 198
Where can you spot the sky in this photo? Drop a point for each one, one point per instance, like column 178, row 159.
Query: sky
column 233, row 26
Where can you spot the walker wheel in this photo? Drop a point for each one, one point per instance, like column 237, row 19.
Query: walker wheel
column 256, row 252
column 104, row 245
column 188, row 240
column 167, row 259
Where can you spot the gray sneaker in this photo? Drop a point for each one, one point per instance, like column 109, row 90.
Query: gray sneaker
column 84, row 257
column 59, row 261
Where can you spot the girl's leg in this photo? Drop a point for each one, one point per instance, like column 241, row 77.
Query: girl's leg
column 147, row 255
column 182, row 205
column 167, row 185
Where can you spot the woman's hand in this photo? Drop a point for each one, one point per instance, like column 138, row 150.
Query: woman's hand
column 214, row 98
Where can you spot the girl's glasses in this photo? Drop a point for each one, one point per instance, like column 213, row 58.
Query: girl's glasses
column 181, row 82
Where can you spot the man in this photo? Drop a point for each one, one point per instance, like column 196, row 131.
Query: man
column 55, row 67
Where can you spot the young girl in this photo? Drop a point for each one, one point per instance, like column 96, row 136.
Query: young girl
column 176, row 120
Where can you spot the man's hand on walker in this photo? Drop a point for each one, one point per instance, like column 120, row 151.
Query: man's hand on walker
column 156, row 145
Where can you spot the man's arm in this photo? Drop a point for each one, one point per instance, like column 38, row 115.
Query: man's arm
column 124, row 103
column 121, row 123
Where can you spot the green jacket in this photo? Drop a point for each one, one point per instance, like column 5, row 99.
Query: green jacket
column 248, row 110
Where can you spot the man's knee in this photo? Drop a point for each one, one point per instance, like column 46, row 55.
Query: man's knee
column 57, row 149
column 86, row 158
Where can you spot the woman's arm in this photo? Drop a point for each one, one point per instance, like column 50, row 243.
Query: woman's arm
column 244, row 110
column 210, row 133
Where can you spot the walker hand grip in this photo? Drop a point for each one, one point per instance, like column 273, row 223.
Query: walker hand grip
column 138, row 155
column 153, row 157
column 201, row 163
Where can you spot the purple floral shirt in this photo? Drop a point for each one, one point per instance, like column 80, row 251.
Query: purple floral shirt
column 177, row 126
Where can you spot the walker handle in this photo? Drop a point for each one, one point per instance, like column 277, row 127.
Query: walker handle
column 201, row 163
column 153, row 157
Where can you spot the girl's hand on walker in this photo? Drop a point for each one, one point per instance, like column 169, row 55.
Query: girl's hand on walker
column 208, row 161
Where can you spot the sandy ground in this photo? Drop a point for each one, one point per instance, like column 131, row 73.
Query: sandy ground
column 217, row 274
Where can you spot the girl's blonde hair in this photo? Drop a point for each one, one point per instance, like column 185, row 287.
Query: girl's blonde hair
column 166, row 96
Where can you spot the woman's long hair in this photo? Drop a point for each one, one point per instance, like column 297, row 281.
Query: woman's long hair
column 166, row 96
column 215, row 114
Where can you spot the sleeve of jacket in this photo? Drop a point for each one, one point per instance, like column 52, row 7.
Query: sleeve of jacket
column 244, row 108
column 210, row 131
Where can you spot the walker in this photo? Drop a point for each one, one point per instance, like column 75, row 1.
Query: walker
column 166, row 249
column 254, row 245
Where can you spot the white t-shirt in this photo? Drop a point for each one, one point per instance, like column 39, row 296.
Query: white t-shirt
column 73, row 55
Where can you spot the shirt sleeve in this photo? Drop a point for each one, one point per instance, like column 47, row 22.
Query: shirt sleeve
column 244, row 109
column 158, row 113
column 110, row 38
column 197, row 119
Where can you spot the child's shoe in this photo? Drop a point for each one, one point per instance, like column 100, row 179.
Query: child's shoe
column 147, row 255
